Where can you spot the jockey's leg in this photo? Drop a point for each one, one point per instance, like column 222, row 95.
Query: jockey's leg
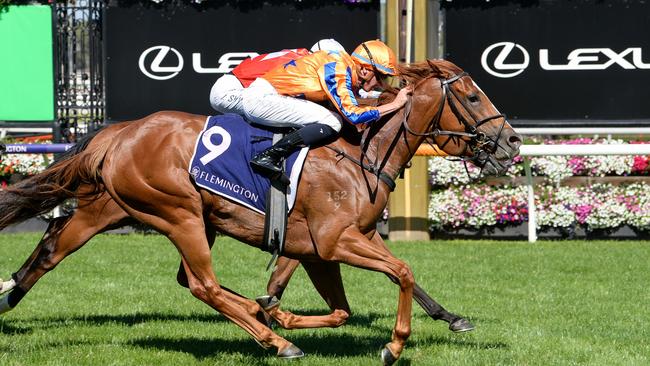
column 226, row 95
column 269, row 161
column 263, row 105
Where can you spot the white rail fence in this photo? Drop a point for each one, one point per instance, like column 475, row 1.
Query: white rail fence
column 548, row 150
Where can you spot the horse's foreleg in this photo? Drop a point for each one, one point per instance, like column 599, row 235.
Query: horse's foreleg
column 354, row 248
column 326, row 277
column 429, row 305
column 457, row 324
column 284, row 269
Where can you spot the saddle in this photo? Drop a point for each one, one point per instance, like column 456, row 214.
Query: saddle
column 220, row 164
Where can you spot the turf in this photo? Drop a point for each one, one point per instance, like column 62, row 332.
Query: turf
column 116, row 302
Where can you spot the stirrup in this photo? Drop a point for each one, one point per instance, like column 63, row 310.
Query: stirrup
column 282, row 178
column 272, row 174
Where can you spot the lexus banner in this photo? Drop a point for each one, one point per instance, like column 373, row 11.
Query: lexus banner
column 584, row 63
column 166, row 57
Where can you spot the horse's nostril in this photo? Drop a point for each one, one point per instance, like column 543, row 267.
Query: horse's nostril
column 515, row 140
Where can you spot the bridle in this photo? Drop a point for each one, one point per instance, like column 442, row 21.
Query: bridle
column 480, row 145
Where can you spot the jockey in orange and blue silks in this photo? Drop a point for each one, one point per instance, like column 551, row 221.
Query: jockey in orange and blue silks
column 288, row 96
column 320, row 77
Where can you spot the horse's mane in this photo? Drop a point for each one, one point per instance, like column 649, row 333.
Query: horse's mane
column 417, row 71
column 413, row 73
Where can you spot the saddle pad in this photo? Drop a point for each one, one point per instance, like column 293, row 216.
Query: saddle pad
column 220, row 162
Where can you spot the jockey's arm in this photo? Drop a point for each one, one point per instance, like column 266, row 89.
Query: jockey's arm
column 336, row 80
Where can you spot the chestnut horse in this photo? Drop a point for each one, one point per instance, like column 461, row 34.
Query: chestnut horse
column 141, row 167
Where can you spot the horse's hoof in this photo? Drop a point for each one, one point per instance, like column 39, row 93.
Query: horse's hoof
column 461, row 325
column 267, row 302
column 291, row 352
column 6, row 286
column 387, row 356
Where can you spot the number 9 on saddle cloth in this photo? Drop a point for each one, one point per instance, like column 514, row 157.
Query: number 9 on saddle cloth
column 220, row 164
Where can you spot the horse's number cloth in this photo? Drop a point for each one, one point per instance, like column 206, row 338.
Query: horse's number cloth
column 220, row 162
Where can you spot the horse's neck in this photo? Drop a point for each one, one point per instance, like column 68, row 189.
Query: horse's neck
column 393, row 147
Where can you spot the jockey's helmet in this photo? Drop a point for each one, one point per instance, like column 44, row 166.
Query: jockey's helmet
column 377, row 56
column 328, row 44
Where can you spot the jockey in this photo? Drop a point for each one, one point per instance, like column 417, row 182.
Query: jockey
column 226, row 92
column 287, row 96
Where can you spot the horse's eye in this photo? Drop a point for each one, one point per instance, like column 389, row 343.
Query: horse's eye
column 473, row 98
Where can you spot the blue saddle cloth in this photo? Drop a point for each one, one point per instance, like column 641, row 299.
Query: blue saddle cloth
column 220, row 162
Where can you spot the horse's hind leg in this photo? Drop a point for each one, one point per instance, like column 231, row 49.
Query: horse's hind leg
column 181, row 276
column 196, row 258
column 63, row 236
column 53, row 227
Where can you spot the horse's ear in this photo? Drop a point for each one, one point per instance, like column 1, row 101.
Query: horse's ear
column 434, row 67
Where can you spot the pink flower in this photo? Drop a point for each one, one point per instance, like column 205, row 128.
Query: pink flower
column 577, row 164
column 640, row 165
column 582, row 212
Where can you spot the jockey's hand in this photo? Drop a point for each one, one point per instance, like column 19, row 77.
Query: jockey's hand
column 402, row 96
column 397, row 103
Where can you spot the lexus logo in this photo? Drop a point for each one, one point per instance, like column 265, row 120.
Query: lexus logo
column 503, row 51
column 499, row 59
column 154, row 69
column 152, row 58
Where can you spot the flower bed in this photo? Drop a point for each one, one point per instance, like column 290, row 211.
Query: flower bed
column 458, row 202
column 21, row 165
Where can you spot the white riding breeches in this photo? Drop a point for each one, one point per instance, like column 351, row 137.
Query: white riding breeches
column 260, row 103
column 226, row 95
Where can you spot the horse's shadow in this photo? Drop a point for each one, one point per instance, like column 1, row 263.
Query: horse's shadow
column 9, row 327
column 327, row 344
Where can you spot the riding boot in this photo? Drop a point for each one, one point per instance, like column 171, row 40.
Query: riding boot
column 269, row 161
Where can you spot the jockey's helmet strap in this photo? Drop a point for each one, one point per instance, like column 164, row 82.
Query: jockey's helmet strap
column 372, row 61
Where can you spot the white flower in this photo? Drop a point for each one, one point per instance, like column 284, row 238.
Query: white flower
column 450, row 172
column 555, row 215
column 554, row 167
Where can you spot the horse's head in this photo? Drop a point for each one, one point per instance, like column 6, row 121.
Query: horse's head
column 459, row 116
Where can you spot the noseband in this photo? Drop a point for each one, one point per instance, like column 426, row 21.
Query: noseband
column 480, row 145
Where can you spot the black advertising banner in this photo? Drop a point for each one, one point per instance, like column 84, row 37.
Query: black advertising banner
column 164, row 57
column 581, row 63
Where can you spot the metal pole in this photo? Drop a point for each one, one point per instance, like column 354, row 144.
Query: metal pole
column 532, row 219
column 409, row 30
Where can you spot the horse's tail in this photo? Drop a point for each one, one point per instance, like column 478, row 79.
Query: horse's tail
column 44, row 191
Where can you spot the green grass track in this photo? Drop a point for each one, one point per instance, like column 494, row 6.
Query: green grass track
column 116, row 302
